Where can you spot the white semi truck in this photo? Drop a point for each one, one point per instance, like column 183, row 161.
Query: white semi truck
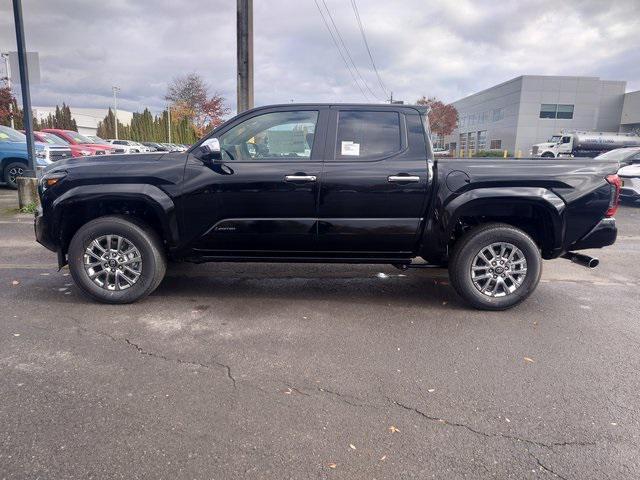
column 583, row 144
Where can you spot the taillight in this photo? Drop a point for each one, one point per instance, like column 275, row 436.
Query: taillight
column 616, row 184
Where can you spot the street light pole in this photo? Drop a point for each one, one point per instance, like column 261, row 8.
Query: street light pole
column 169, row 122
column 115, row 108
column 244, row 34
column 24, row 86
column 8, row 70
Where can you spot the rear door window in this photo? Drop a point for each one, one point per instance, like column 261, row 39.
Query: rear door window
column 367, row 135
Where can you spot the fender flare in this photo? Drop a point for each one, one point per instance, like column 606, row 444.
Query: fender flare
column 541, row 197
column 161, row 204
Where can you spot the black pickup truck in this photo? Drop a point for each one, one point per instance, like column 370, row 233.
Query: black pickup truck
column 324, row 183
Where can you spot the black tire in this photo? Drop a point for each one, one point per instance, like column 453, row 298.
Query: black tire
column 147, row 242
column 13, row 171
column 548, row 155
column 470, row 245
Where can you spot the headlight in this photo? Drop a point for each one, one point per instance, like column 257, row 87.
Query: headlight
column 51, row 179
column 86, row 153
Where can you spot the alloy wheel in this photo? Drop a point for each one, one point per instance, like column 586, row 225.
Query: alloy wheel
column 113, row 262
column 498, row 269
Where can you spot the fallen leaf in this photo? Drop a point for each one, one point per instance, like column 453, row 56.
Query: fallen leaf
column 352, row 446
column 15, row 282
column 530, row 360
column 393, row 429
column 16, row 334
column 383, row 458
column 332, row 465
column 507, row 420
column 288, row 392
column 431, row 390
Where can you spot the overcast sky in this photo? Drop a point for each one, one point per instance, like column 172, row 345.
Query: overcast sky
column 447, row 49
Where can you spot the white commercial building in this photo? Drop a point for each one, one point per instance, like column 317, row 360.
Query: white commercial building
column 86, row 118
column 530, row 109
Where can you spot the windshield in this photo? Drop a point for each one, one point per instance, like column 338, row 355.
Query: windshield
column 51, row 139
column 10, row 135
column 96, row 139
column 618, row 154
column 77, row 137
column 555, row 139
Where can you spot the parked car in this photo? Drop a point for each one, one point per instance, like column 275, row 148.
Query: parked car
column 89, row 147
column 325, row 183
column 156, row 147
column 127, row 145
column 50, row 138
column 14, row 157
column 143, row 148
column 625, row 156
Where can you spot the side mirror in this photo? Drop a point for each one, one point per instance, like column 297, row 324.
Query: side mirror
column 210, row 150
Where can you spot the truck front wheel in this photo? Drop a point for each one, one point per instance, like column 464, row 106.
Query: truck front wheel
column 495, row 266
column 115, row 259
column 548, row 155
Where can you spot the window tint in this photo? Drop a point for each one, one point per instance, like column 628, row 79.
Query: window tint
column 366, row 135
column 272, row 136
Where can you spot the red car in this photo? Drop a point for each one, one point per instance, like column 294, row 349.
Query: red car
column 51, row 139
column 81, row 145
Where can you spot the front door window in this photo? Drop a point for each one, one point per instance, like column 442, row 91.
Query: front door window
column 286, row 136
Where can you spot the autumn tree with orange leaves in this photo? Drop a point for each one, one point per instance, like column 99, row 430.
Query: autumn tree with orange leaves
column 443, row 118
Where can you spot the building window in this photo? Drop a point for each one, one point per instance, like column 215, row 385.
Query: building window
column 553, row 110
column 471, row 141
column 482, row 140
column 463, row 141
column 498, row 114
column 496, row 145
column 565, row 111
column 472, row 120
column 463, row 122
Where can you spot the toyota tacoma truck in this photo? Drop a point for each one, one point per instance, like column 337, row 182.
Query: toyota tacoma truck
column 324, row 183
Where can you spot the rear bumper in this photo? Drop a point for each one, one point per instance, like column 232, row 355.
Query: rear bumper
column 602, row 235
column 630, row 188
column 42, row 233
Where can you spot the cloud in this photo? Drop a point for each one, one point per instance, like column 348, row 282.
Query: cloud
column 447, row 49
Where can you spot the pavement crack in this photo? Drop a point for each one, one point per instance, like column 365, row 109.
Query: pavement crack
column 490, row 435
column 142, row 351
column 544, row 467
column 348, row 399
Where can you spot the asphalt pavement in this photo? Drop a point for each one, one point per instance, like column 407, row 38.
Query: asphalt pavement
column 269, row 371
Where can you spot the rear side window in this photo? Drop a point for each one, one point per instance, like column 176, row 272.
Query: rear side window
column 367, row 135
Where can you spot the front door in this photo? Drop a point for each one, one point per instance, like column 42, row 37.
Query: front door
column 374, row 185
column 261, row 198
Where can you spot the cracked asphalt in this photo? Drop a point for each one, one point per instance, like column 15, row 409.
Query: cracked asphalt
column 318, row 371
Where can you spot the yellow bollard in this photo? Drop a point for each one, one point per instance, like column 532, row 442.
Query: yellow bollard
column 519, row 155
column 505, row 154
column 470, row 153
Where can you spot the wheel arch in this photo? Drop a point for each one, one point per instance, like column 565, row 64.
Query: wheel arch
column 537, row 211
column 143, row 202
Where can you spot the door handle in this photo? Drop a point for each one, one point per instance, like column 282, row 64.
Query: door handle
column 300, row 178
column 403, row 178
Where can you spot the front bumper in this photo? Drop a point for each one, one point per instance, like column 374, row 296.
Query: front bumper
column 602, row 235
column 42, row 233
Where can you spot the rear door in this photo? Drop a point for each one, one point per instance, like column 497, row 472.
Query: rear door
column 374, row 184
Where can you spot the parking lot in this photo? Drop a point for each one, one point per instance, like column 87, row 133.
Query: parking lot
column 318, row 371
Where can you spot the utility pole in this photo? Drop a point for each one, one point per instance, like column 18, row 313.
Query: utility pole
column 244, row 33
column 115, row 108
column 169, row 122
column 24, row 86
column 8, row 70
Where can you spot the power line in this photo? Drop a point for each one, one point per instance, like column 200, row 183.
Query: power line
column 335, row 42
column 346, row 49
column 366, row 44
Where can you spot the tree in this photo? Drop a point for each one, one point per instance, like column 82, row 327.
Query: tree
column 189, row 97
column 443, row 119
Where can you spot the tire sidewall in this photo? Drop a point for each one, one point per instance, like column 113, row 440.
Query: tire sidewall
column 464, row 260
column 5, row 174
column 136, row 235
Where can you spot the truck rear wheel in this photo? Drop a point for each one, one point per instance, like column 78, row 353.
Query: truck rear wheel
column 495, row 266
column 116, row 259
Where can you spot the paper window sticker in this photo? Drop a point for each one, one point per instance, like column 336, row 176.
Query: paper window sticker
column 350, row 149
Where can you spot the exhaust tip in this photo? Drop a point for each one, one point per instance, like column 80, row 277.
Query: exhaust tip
column 593, row 263
column 581, row 259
